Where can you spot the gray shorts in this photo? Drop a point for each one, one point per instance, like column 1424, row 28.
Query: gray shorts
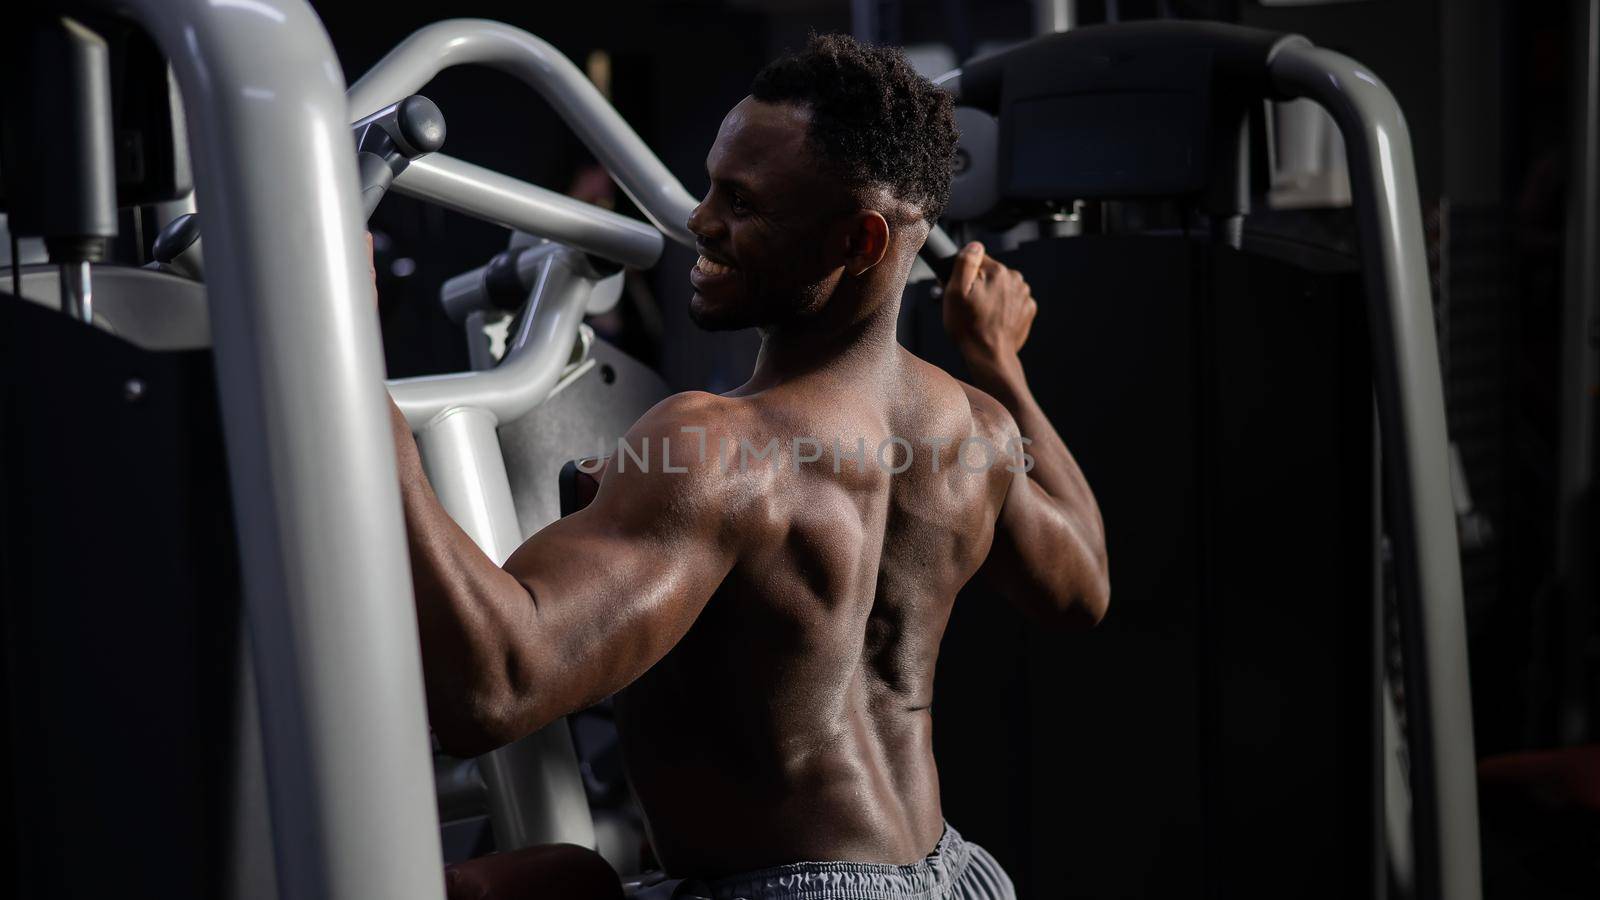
column 955, row 870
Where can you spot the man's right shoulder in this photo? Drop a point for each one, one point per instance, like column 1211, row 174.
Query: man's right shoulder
column 687, row 448
column 695, row 412
column 690, row 403
column 697, row 432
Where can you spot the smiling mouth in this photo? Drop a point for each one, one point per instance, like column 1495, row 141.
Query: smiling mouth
column 709, row 267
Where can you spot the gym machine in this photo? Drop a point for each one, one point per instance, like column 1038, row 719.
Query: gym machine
column 216, row 688
column 292, row 759
column 494, row 441
column 1218, row 384
column 201, row 508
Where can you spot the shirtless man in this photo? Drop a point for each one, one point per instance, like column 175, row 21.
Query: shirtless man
column 769, row 618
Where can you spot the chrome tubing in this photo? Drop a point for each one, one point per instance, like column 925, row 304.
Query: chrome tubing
column 454, row 42
column 77, row 290
column 461, row 456
column 327, row 585
column 534, row 787
column 1415, row 444
column 562, row 287
column 518, row 205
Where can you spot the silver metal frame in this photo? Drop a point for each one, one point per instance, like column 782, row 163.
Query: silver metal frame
column 534, row 788
column 535, row 791
column 1416, row 449
column 327, row 588
column 1580, row 367
column 518, row 205
column 565, row 286
column 453, row 42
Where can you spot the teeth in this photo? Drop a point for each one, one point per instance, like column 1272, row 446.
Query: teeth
column 711, row 268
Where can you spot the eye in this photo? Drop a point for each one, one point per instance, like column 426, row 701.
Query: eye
column 736, row 202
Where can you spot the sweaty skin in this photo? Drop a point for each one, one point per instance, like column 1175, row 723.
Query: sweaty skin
column 772, row 623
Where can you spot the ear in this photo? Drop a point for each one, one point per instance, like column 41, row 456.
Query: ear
column 866, row 241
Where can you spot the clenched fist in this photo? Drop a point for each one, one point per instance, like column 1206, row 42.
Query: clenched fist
column 988, row 308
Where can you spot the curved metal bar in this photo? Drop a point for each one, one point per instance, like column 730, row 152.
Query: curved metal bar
column 453, row 42
column 1411, row 412
column 515, row 204
column 461, row 456
column 327, row 587
column 539, row 351
column 534, row 787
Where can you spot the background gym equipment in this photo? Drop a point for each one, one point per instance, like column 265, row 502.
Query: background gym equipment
column 288, row 648
column 342, row 799
column 1247, row 638
column 535, row 792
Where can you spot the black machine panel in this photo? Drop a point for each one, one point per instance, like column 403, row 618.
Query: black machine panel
column 1144, row 109
column 149, row 140
column 1106, row 144
column 586, row 418
column 1214, row 737
column 120, row 616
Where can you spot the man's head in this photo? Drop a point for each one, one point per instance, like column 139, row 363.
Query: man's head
column 830, row 172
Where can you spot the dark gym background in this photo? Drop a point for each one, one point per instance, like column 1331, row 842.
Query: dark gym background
column 1486, row 90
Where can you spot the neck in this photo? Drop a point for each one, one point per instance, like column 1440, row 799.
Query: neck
column 855, row 343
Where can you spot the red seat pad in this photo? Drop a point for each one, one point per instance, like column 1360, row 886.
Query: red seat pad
column 1567, row 779
column 549, row 872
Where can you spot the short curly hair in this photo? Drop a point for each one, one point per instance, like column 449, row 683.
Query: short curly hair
column 874, row 120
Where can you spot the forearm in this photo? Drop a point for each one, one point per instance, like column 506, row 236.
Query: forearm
column 466, row 605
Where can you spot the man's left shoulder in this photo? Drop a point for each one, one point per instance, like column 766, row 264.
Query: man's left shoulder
column 990, row 417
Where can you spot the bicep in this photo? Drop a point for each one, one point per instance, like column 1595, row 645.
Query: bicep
column 613, row 587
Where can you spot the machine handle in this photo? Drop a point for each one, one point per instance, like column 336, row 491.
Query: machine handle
column 386, row 142
column 389, row 139
column 942, row 266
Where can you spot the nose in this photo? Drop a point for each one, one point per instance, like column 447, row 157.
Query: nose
column 702, row 223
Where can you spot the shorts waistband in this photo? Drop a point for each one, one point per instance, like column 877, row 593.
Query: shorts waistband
column 930, row 879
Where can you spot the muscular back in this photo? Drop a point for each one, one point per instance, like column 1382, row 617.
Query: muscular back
column 792, row 721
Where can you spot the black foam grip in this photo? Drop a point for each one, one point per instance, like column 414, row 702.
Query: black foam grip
column 421, row 125
column 176, row 237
